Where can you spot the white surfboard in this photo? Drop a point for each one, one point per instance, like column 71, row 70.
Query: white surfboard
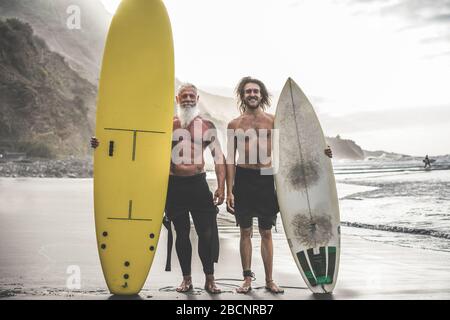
column 306, row 190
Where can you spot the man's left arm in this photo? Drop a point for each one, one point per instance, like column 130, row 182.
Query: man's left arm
column 219, row 162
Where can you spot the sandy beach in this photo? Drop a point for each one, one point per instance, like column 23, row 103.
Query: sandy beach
column 47, row 231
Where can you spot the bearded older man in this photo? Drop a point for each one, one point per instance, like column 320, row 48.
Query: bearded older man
column 188, row 191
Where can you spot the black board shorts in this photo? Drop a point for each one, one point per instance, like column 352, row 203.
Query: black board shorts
column 254, row 196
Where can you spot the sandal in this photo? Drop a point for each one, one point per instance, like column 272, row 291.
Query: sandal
column 183, row 288
column 271, row 289
column 244, row 289
column 213, row 289
column 247, row 286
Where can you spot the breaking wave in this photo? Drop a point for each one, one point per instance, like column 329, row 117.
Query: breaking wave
column 416, row 231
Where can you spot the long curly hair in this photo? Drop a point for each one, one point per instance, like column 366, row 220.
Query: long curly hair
column 240, row 93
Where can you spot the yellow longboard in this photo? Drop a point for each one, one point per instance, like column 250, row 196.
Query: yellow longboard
column 134, row 128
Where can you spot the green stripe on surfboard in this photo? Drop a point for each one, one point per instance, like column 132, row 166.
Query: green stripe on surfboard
column 318, row 264
column 319, row 273
column 305, row 266
column 331, row 263
column 324, row 280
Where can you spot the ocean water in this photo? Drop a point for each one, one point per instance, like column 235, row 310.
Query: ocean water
column 392, row 202
column 395, row 202
column 403, row 205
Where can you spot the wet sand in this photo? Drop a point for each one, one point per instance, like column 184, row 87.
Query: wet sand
column 47, row 226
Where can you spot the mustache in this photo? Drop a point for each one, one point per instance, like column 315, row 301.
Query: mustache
column 252, row 98
column 188, row 103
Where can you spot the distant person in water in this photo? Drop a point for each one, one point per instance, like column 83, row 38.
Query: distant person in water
column 427, row 162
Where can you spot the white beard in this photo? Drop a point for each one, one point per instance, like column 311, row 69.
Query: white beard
column 186, row 115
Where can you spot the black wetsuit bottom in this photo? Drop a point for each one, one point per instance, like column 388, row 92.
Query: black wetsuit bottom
column 192, row 195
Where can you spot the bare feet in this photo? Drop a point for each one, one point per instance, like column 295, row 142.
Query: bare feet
column 272, row 287
column 246, row 286
column 210, row 285
column 186, row 285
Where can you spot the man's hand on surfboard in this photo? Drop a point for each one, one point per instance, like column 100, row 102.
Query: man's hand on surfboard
column 328, row 152
column 94, row 142
column 219, row 197
column 230, row 203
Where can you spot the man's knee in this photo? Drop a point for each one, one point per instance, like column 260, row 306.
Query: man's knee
column 265, row 234
column 205, row 234
column 183, row 238
column 182, row 231
column 246, row 233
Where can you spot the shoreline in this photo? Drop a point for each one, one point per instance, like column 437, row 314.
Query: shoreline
column 79, row 168
column 44, row 168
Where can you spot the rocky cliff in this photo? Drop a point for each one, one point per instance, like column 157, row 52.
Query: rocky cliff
column 345, row 149
column 52, row 21
column 44, row 104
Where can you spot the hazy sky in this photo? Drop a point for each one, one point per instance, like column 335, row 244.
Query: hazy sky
column 377, row 71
